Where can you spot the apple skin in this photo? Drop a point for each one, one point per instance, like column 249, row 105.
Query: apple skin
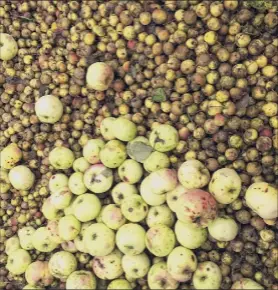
column 197, row 206
column 193, row 174
column 262, row 198
column 160, row 214
column 160, row 240
column 136, row 266
column 119, row 284
column 9, row 156
column 81, row 280
column 18, row 261
column 160, row 278
column 225, row 185
column 38, row 274
column 189, row 235
column 207, row 276
column 91, row 150
column 223, row 229
column 130, row 239
column 181, row 264
column 108, row 267
column 246, row 284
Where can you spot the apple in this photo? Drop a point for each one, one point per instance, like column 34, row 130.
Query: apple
column 189, row 235
column 160, row 214
column 193, row 174
column 42, row 240
column 61, row 158
column 130, row 171
column 246, row 283
column 122, row 190
column 225, row 185
column 81, row 280
column 155, row 161
column 130, row 239
column 25, row 237
column 91, row 150
column 134, row 208
column 38, row 274
column 57, row 181
column 148, row 195
column 207, row 276
column 21, row 177
column 12, row 244
column 223, row 229
column 76, row 184
column 123, row 129
column 181, row 264
column 5, row 184
column 112, row 216
column 160, row 240
column 119, row 284
column 68, row 227
column 9, row 156
column 8, row 47
column 80, row 164
column 61, row 198
column 18, row 261
column 173, row 196
column 106, row 128
column 136, row 266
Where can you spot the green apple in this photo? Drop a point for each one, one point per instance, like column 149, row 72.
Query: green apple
column 189, row 235
column 108, row 267
column 68, row 227
column 18, row 261
column 92, row 149
column 134, row 208
column 49, row 211
column 223, row 229
column 112, row 216
column 148, row 195
column 160, row 278
column 163, row 180
column 86, row 207
column 38, row 274
column 225, row 185
column 57, row 181
column 76, row 184
column 130, row 171
column 156, row 160
column 160, row 240
column 124, row 130
column 246, row 283
column 62, row 264
column 81, row 280
column 99, row 76
column 12, row 244
column 262, row 198
column 119, row 284
column 160, row 214
column 136, row 266
column 193, row 174
column 99, row 239
column 207, row 276
column 69, row 246
column 106, row 128
column 49, row 109
column 139, row 149
column 61, row 198
column 181, row 264
column 80, row 164
column 9, row 156
column 52, row 227
column 122, row 190
column 21, row 177
column 113, row 154
column 42, row 240
column 8, row 47
column 98, row 178
column 61, row 158
column 173, row 195
column 79, row 240
column 5, row 184
column 164, row 138
column 25, row 237
column 130, row 239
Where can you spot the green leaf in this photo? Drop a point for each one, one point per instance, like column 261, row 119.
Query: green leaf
column 139, row 151
column 159, row 95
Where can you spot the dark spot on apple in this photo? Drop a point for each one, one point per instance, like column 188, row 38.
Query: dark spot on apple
column 130, row 209
column 120, row 196
column 94, row 236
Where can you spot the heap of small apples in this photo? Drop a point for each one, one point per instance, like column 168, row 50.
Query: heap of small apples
column 167, row 212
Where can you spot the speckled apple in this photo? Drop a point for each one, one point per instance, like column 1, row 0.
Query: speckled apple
column 112, row 216
column 61, row 158
column 193, row 174
column 207, row 276
column 12, row 244
column 160, row 278
column 196, row 206
column 181, row 264
column 130, row 171
column 86, row 207
column 80, row 164
column 148, row 195
column 81, row 280
column 5, row 184
column 122, row 190
column 76, row 184
column 25, row 237
column 98, row 178
column 108, row 267
column 136, row 266
column 113, row 154
column 99, row 239
column 130, row 239
column 92, row 149
column 106, row 128
column 57, row 181
column 160, row 240
column 189, row 235
column 134, row 208
column 124, row 129
column 49, row 211
column 38, row 274
column 61, row 198
column 68, row 227
column 62, row 264
column 225, row 185
column 18, row 261
column 160, row 214
column 156, row 160
column 173, row 195
column 42, row 241
column 9, row 156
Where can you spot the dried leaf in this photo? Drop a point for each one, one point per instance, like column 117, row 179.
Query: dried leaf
column 159, row 95
column 139, row 151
